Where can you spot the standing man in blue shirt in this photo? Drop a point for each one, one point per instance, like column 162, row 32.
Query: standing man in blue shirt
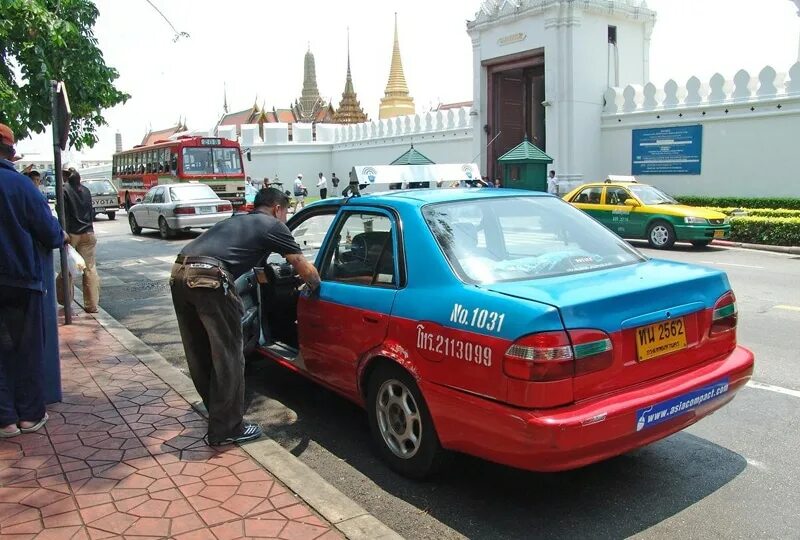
column 26, row 225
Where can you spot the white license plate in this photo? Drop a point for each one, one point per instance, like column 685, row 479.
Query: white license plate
column 207, row 209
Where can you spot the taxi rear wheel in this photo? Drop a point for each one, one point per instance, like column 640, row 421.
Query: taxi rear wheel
column 660, row 235
column 135, row 229
column 400, row 422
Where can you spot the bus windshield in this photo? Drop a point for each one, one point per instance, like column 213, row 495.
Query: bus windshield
column 204, row 160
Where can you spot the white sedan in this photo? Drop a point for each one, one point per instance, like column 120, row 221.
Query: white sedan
column 178, row 207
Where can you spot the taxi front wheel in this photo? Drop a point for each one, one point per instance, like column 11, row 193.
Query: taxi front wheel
column 401, row 424
column 660, row 235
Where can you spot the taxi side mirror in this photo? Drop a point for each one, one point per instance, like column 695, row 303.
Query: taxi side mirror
column 632, row 202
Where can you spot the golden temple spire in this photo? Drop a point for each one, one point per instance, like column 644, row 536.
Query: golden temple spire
column 396, row 100
column 349, row 111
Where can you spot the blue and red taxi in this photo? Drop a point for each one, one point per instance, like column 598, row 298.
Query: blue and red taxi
column 503, row 324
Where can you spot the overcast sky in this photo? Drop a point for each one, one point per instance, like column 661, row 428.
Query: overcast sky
column 256, row 47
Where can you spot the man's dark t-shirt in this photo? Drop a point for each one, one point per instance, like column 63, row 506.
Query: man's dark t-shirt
column 241, row 242
column 79, row 209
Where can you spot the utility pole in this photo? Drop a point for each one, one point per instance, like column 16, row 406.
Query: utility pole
column 61, row 115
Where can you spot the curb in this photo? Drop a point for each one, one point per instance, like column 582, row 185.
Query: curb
column 792, row 250
column 353, row 521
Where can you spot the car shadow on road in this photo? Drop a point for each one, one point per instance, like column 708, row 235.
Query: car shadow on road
column 613, row 499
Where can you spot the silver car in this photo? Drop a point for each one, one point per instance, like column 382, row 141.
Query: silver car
column 178, row 207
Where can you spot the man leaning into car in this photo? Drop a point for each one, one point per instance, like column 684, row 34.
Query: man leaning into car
column 209, row 310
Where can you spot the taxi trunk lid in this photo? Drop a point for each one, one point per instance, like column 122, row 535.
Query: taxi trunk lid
column 630, row 301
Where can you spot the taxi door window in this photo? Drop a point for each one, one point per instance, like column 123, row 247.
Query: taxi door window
column 616, row 196
column 310, row 233
column 158, row 196
column 362, row 252
column 589, row 195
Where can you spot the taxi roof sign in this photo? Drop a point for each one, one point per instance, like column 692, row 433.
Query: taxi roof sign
column 620, row 178
column 440, row 174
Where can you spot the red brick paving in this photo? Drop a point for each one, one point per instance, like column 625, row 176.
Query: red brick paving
column 123, row 456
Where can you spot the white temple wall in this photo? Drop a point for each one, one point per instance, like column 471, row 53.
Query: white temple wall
column 751, row 129
column 443, row 136
column 439, row 148
column 286, row 160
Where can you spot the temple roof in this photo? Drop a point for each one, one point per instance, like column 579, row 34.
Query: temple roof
column 310, row 103
column 412, row 157
column 456, row 105
column 162, row 134
column 492, row 12
column 525, row 152
column 349, row 111
column 396, row 100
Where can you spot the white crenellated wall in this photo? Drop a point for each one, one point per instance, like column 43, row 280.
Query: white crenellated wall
column 443, row 136
column 751, row 131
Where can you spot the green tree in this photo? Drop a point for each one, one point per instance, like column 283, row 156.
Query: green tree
column 44, row 40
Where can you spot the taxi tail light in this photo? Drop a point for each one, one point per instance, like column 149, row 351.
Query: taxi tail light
column 546, row 356
column 552, row 356
column 725, row 315
column 184, row 210
column 225, row 207
column 593, row 350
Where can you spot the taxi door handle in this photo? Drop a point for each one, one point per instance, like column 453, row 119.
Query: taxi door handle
column 372, row 319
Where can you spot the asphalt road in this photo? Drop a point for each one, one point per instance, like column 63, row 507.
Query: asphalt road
column 733, row 475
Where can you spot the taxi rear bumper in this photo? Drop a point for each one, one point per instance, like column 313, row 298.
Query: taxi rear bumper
column 582, row 433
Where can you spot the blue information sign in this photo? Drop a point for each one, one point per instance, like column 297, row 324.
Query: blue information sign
column 667, row 150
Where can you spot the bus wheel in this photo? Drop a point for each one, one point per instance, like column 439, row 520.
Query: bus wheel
column 164, row 229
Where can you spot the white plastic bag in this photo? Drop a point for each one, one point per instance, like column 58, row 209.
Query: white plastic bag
column 75, row 262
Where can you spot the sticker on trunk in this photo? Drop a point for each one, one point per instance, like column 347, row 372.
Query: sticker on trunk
column 666, row 410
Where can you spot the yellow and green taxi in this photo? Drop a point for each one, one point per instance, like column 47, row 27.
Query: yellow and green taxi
column 634, row 210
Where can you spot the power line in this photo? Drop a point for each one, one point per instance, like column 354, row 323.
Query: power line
column 178, row 35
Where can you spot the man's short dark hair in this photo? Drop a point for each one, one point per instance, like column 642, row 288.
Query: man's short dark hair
column 34, row 174
column 270, row 197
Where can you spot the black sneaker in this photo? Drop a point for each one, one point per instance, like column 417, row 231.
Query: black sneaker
column 249, row 432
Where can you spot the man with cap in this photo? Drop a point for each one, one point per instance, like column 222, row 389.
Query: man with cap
column 299, row 192
column 27, row 226
column 209, row 310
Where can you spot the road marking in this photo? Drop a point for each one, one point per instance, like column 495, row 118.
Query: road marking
column 756, row 464
column 733, row 264
column 790, row 308
column 138, row 239
column 772, row 388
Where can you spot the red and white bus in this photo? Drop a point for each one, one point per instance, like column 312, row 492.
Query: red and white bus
column 211, row 160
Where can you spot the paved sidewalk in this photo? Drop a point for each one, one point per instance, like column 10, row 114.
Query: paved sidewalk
column 123, row 456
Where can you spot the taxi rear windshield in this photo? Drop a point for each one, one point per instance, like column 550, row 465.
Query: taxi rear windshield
column 517, row 238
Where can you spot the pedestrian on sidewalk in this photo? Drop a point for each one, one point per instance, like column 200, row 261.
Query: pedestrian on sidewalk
column 334, row 181
column 27, row 226
column 209, row 310
column 299, row 193
column 552, row 183
column 78, row 217
column 322, row 184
